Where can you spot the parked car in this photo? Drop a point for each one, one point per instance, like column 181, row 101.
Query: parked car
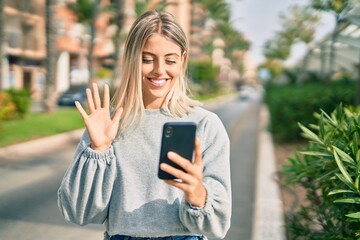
column 74, row 93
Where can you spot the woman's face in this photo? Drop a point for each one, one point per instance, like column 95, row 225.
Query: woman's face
column 161, row 65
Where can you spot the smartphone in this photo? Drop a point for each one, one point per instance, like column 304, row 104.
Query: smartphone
column 178, row 137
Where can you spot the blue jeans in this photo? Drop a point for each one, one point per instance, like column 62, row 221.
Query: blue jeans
column 121, row 237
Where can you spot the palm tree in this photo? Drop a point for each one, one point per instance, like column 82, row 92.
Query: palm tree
column 119, row 21
column 50, row 88
column 219, row 12
column 87, row 12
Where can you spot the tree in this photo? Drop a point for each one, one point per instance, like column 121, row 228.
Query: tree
column 298, row 25
column 1, row 41
column 278, row 47
column 339, row 8
column 87, row 12
column 50, row 88
column 219, row 13
column 145, row 5
column 119, row 21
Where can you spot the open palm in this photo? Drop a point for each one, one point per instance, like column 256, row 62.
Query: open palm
column 101, row 127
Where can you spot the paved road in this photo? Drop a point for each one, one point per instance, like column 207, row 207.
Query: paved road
column 28, row 184
column 241, row 119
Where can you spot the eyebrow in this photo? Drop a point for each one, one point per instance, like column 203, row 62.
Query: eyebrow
column 166, row 55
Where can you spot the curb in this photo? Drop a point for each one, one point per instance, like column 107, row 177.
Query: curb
column 45, row 144
column 268, row 221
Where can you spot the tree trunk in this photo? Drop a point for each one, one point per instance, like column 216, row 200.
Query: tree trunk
column 117, row 41
column 323, row 62
column 301, row 76
column 1, row 42
column 92, row 38
column 332, row 49
column 50, row 94
column 357, row 97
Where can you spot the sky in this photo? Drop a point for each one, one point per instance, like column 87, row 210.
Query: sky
column 259, row 20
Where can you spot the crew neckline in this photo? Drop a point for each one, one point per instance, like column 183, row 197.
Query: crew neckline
column 155, row 111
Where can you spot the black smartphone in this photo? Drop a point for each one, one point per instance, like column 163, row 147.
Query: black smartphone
column 178, row 137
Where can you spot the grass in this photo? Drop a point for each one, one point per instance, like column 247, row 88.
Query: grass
column 37, row 125
column 204, row 98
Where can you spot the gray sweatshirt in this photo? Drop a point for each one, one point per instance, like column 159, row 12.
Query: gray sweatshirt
column 120, row 187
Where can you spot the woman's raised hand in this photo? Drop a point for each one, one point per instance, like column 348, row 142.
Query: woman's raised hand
column 101, row 128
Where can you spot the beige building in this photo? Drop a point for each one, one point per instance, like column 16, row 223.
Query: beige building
column 25, row 41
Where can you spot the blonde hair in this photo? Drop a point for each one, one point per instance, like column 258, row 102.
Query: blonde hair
column 129, row 92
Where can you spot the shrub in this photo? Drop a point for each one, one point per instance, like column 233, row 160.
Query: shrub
column 203, row 74
column 328, row 169
column 22, row 100
column 7, row 106
column 289, row 104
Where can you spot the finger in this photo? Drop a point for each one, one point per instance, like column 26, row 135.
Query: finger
column 176, row 184
column 106, row 99
column 198, row 154
column 81, row 110
column 182, row 162
column 90, row 100
column 117, row 115
column 97, row 101
column 177, row 173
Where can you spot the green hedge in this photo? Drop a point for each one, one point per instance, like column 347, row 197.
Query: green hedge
column 7, row 106
column 22, row 100
column 203, row 75
column 290, row 104
column 14, row 103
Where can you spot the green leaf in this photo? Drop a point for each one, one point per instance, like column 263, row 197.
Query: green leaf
column 342, row 168
column 344, row 156
column 353, row 215
column 330, row 120
column 322, row 128
column 313, row 153
column 348, row 200
column 355, row 142
column 340, row 111
column 344, row 180
column 337, row 191
column 309, row 134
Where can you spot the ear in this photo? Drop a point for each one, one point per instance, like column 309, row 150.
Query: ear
column 184, row 56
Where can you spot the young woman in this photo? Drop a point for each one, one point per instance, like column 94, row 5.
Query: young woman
column 113, row 178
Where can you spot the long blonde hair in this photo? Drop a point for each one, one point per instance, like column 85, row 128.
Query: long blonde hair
column 129, row 92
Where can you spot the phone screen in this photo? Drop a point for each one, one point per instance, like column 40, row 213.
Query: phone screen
column 178, row 137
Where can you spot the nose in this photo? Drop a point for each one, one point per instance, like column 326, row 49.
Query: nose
column 159, row 67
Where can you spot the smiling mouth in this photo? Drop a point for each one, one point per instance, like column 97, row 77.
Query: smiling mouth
column 158, row 82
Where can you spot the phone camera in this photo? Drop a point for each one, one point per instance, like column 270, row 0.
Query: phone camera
column 168, row 132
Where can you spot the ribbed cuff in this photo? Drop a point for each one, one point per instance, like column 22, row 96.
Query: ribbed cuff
column 106, row 155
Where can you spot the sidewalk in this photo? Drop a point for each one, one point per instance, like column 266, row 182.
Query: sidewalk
column 40, row 146
column 268, row 217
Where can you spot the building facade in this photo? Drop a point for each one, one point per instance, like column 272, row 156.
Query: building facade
column 25, row 41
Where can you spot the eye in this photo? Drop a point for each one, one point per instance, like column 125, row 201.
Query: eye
column 147, row 60
column 170, row 62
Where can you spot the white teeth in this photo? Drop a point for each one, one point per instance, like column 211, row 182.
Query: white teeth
column 159, row 82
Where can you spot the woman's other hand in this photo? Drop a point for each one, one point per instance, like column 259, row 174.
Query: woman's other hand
column 191, row 181
column 101, row 128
